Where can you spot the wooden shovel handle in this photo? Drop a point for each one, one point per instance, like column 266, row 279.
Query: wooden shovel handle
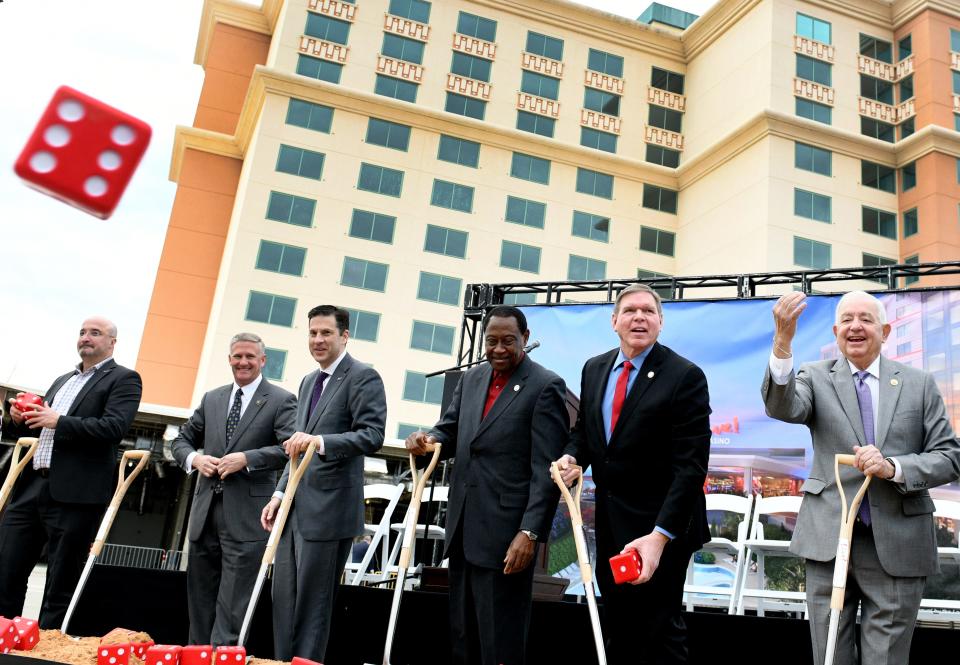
column 17, row 464
column 124, row 480
column 419, row 481
column 576, row 520
column 298, row 467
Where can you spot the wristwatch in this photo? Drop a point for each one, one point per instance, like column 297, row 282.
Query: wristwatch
column 529, row 534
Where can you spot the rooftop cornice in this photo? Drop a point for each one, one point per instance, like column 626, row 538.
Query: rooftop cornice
column 237, row 14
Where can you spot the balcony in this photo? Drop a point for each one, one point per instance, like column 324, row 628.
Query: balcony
column 955, row 60
column 603, row 81
column 956, row 103
column 877, row 110
column 541, row 65
column 601, row 121
column 324, row 50
column 539, row 105
column 876, row 69
column 905, row 67
column 665, row 98
column 813, row 48
column 334, row 9
column 813, row 91
column 906, row 110
column 399, row 69
column 663, row 137
column 405, row 27
column 468, row 86
column 474, row 46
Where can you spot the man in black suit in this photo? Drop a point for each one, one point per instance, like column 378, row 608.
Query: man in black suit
column 644, row 428
column 342, row 408
column 507, row 420
column 233, row 439
column 60, row 498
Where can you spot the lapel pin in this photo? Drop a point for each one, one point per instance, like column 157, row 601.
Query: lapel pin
column 894, row 382
column 259, row 402
column 649, row 375
column 516, row 387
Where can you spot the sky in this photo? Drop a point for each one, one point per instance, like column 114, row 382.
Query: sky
column 59, row 265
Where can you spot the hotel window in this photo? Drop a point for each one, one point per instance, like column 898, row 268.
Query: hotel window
column 874, row 261
column 284, row 259
column 811, row 158
column 904, row 48
column 362, row 274
column 906, row 128
column 404, row 429
column 270, row 308
column 548, row 47
column 813, row 28
column 402, row 48
column 876, row 129
column 906, row 88
column 879, row 222
column 326, row 28
column 911, row 260
column 471, row 66
column 811, row 254
column 814, row 70
column 432, row 337
column 309, row 115
column 657, row 241
column 877, row 49
column 415, row 10
column 388, row 134
column 594, row 183
column 908, row 176
column 458, row 151
column 665, row 118
column 390, row 87
column 467, row 106
column 519, row 256
column 814, row 111
column 876, row 89
column 878, row 176
column 812, row 206
column 525, row 212
column 910, row 223
column 581, row 267
column 539, row 85
column 322, row 70
column 297, row 161
column 601, row 102
column 660, row 198
column 418, row 388
column 528, row 167
column 955, row 40
column 903, row 349
column 276, row 361
column 605, row 63
column 663, row 156
column 290, row 209
column 451, row 195
column 518, row 299
column 535, row 123
column 364, row 325
column 380, row 180
column 372, row 226
column 594, row 138
column 439, row 289
column 449, row 242
column 666, row 80
column 477, row 26
column 666, row 292
column 592, row 227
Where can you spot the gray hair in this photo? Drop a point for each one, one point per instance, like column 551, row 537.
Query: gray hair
column 249, row 337
column 847, row 297
column 638, row 288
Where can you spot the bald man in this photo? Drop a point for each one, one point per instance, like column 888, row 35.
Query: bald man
column 60, row 498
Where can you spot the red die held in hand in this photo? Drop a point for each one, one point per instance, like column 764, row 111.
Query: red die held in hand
column 196, row 654
column 626, row 567
column 162, row 654
column 230, row 656
column 25, row 402
column 113, row 654
column 8, row 635
column 83, row 152
column 28, row 631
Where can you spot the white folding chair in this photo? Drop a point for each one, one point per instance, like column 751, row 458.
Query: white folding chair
column 722, row 590
column 942, row 609
column 379, row 532
column 782, row 510
column 434, row 495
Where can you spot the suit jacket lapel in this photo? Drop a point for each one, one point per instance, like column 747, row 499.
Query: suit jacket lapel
column 512, row 388
column 646, row 375
column 472, row 400
column 847, row 393
column 253, row 408
column 889, row 394
column 600, row 388
column 329, row 390
column 55, row 388
column 105, row 369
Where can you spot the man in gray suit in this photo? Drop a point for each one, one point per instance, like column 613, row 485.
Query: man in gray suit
column 343, row 410
column 892, row 417
column 233, row 439
column 506, row 422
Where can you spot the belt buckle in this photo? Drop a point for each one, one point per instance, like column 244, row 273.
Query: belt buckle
column 218, row 487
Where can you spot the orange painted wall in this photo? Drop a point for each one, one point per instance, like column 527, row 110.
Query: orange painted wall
column 190, row 262
column 932, row 80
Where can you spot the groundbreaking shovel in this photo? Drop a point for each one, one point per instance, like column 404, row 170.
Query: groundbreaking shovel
column 17, row 464
column 583, row 558
column 847, row 518
column 123, row 484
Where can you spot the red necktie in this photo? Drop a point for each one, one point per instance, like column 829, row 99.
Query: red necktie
column 620, row 394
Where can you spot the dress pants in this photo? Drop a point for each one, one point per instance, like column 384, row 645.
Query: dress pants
column 220, row 577
column 306, row 576
column 33, row 518
column 888, row 607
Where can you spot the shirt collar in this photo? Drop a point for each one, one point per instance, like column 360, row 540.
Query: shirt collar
column 636, row 361
column 79, row 368
column 873, row 370
column 335, row 364
column 248, row 389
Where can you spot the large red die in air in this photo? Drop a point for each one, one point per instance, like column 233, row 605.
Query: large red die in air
column 83, row 152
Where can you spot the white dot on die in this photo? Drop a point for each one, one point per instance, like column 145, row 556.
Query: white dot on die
column 623, row 569
column 167, row 657
column 120, row 651
column 95, row 186
column 70, row 110
column 203, row 654
column 112, row 660
column 122, row 135
column 43, row 162
column 57, row 136
column 108, row 160
column 239, row 657
column 104, row 652
column 223, row 656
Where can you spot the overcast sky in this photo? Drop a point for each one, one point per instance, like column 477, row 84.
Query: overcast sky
column 59, row 265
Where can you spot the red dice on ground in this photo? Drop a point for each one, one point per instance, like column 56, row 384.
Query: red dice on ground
column 162, row 654
column 83, row 152
column 28, row 632
column 8, row 635
column 230, row 656
column 113, row 654
column 196, row 654
column 297, row 660
column 140, row 648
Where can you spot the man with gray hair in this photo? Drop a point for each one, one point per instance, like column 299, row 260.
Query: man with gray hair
column 233, row 440
column 892, row 417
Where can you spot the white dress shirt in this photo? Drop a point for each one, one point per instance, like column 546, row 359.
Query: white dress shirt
column 249, row 391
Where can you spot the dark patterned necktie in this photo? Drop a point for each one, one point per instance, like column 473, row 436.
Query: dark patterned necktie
column 865, row 398
column 234, row 416
column 317, row 390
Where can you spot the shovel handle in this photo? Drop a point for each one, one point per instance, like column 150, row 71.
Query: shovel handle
column 576, row 520
column 124, row 480
column 298, row 466
column 17, row 464
column 419, row 484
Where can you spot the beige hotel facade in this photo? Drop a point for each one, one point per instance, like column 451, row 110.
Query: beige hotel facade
column 383, row 154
